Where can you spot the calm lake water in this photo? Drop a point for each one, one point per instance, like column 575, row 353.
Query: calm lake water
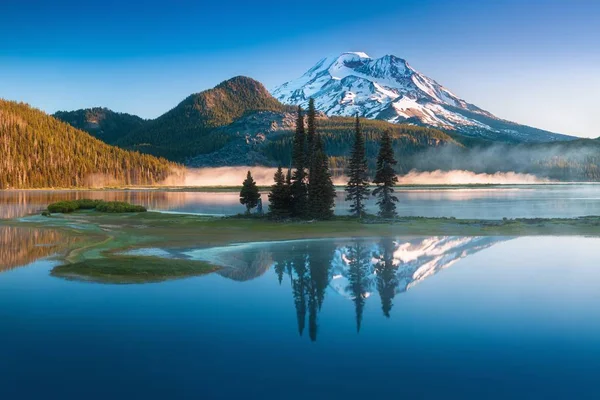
column 523, row 201
column 426, row 317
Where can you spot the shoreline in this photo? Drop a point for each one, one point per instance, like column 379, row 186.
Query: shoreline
column 103, row 238
column 227, row 188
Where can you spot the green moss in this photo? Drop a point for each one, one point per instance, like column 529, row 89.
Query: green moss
column 69, row 206
column 132, row 269
column 118, row 207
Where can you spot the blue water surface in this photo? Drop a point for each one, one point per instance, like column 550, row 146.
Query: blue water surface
column 416, row 317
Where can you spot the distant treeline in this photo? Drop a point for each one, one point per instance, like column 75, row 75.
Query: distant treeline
column 338, row 136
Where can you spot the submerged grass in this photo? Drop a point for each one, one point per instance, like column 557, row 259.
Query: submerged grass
column 132, row 269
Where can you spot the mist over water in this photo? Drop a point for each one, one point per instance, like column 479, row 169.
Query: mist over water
column 234, row 176
column 461, row 177
column 228, row 176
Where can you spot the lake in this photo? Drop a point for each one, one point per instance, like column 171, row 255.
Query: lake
column 482, row 202
column 420, row 317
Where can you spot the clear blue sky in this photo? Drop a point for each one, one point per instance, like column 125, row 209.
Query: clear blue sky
column 532, row 61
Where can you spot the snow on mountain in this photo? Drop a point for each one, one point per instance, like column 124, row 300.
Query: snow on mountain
column 388, row 88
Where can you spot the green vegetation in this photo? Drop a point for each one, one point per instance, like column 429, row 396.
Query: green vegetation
column 69, row 206
column 249, row 195
column 119, row 207
column 309, row 191
column 280, row 197
column 338, row 135
column 357, row 189
column 386, row 179
column 132, row 269
column 298, row 188
column 102, row 123
column 39, row 151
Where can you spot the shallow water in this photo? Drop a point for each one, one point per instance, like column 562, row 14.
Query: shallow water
column 512, row 201
column 483, row 317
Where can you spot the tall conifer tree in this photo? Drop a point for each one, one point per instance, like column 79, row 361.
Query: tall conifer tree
column 311, row 131
column 357, row 189
column 298, row 187
column 321, row 192
column 279, row 197
column 249, row 195
column 385, row 178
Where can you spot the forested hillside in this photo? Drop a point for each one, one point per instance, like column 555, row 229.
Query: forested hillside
column 337, row 133
column 182, row 132
column 100, row 122
column 265, row 138
column 37, row 151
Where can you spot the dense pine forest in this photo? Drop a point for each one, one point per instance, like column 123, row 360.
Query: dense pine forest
column 39, row 151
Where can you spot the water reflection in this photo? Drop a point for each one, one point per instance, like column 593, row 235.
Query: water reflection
column 355, row 269
column 22, row 246
column 540, row 201
column 19, row 203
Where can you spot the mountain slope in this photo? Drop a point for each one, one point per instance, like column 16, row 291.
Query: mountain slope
column 183, row 131
column 265, row 138
column 37, row 151
column 388, row 88
column 102, row 123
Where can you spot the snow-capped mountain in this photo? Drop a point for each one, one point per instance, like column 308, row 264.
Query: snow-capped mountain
column 388, row 88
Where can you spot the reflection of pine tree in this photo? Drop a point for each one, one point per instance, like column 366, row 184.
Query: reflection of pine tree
column 308, row 268
column 319, row 258
column 299, row 285
column 358, row 262
column 386, row 275
column 281, row 264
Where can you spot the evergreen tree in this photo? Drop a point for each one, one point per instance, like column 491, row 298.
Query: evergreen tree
column 385, row 178
column 249, row 194
column 321, row 193
column 357, row 189
column 279, row 197
column 311, row 131
column 298, row 186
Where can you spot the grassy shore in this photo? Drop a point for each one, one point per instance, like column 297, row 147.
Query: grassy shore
column 97, row 255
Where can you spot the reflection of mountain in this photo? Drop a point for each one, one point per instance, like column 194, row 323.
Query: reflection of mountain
column 21, row 246
column 392, row 267
column 353, row 269
column 247, row 266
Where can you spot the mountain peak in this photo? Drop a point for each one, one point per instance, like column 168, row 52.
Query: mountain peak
column 388, row 88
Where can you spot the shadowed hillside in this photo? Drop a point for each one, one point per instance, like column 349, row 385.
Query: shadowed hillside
column 102, row 123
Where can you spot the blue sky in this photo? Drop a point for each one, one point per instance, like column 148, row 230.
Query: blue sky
column 535, row 62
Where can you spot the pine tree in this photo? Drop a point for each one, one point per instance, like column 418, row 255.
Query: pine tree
column 321, row 191
column 249, row 194
column 385, row 178
column 357, row 189
column 279, row 197
column 311, row 131
column 298, row 186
